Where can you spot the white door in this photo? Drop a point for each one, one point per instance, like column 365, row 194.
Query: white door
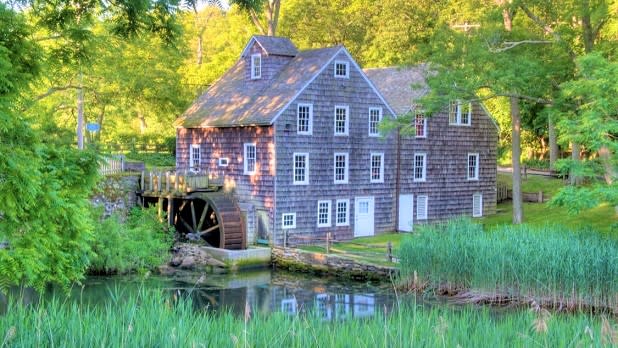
column 363, row 217
column 406, row 212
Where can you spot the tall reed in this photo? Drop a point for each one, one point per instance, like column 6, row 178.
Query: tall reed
column 541, row 261
column 151, row 320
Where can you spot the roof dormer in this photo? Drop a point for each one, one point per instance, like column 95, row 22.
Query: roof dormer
column 264, row 56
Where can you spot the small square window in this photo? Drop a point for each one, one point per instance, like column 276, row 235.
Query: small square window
column 460, row 113
column 224, row 162
column 288, row 221
column 342, row 69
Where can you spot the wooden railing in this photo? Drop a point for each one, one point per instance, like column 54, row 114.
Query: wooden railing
column 171, row 182
column 503, row 192
column 111, row 165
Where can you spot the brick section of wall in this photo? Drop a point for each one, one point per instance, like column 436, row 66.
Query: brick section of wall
column 215, row 143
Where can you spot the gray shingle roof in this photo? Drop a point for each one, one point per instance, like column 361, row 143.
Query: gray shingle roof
column 274, row 45
column 401, row 87
column 234, row 101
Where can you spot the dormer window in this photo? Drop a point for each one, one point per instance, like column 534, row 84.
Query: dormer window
column 256, row 66
column 342, row 69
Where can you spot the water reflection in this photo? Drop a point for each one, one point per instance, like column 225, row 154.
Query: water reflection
column 264, row 291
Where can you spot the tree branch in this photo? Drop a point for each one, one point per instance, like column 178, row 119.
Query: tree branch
column 49, row 92
column 548, row 29
column 256, row 21
column 507, row 45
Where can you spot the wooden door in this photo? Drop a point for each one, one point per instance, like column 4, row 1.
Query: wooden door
column 363, row 217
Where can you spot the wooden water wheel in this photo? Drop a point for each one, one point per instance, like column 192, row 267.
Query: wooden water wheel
column 213, row 217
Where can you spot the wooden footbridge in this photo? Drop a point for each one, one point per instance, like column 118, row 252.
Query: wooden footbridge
column 199, row 209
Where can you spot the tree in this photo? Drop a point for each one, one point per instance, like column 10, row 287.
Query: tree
column 256, row 9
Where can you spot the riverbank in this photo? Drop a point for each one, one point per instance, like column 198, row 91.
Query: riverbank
column 150, row 319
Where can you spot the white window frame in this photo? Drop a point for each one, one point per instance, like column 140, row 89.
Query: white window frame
column 377, row 131
column 309, row 130
column 420, row 214
column 478, row 196
column 346, row 125
column 287, row 227
column 381, row 179
column 328, row 220
column 347, row 212
column 192, row 150
column 424, row 169
column 416, row 117
column 306, row 178
column 346, row 169
column 246, row 159
column 455, row 114
column 347, row 69
column 256, row 68
column 223, row 161
column 476, row 169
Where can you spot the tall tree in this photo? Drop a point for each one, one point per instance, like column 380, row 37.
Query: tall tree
column 261, row 11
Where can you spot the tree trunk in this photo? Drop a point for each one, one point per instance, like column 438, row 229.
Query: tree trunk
column 553, row 143
column 80, row 117
column 575, row 157
column 518, row 214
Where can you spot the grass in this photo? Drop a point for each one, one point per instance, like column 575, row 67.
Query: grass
column 154, row 320
column 537, row 261
column 534, row 183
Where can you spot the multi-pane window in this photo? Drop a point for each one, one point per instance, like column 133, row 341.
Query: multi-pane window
column 250, row 159
column 301, row 169
column 341, row 168
column 341, row 120
column 473, row 166
column 375, row 116
column 195, row 158
column 341, row 68
column 256, row 66
column 420, row 125
column 421, row 207
column 420, row 165
column 460, row 113
column 477, row 205
column 342, row 215
column 377, row 167
column 288, row 221
column 305, row 119
column 323, row 213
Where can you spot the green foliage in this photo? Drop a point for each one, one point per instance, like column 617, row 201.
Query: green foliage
column 139, row 244
column 539, row 261
column 153, row 159
column 152, row 319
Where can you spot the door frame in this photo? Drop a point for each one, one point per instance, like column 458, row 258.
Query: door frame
column 358, row 230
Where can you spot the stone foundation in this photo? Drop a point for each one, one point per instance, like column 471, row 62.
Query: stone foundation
column 116, row 193
column 305, row 261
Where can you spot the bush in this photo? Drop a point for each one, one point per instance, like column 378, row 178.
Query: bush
column 141, row 243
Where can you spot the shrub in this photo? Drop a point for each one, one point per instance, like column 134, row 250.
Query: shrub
column 141, row 243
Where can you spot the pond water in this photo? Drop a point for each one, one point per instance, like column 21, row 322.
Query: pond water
column 265, row 291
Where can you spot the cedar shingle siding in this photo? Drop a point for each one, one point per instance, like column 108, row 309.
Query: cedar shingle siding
column 238, row 110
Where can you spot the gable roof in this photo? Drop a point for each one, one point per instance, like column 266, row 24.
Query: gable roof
column 231, row 101
column 400, row 86
column 272, row 45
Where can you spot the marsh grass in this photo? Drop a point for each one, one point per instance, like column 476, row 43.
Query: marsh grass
column 151, row 319
column 546, row 263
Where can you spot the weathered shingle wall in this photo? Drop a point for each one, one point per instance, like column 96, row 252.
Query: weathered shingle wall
column 271, row 65
column 324, row 93
column 256, row 189
column 447, row 146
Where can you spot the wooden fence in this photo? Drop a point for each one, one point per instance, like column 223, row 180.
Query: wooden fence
column 159, row 181
column 372, row 251
column 112, row 165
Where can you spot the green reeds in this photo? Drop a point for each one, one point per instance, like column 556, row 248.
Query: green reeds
column 153, row 320
column 548, row 263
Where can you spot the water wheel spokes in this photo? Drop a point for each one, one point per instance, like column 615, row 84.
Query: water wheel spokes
column 198, row 220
